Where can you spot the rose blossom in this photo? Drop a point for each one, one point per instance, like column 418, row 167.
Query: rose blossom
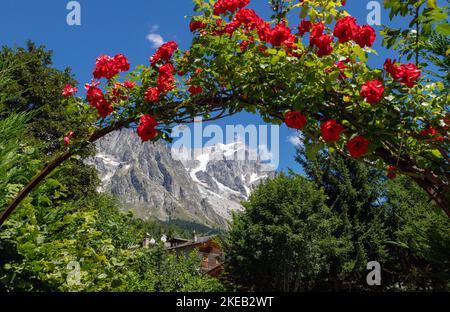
column 224, row 6
column 146, row 129
column 304, row 27
column 164, row 52
column 358, row 146
column 331, row 130
column 345, row 29
column 373, row 91
column 68, row 137
column 406, row 73
column 295, row 120
column 165, row 78
column 195, row 89
column 152, row 94
column 195, row 25
column 281, row 35
column 69, row 90
column 365, row 36
column 93, row 93
column 108, row 67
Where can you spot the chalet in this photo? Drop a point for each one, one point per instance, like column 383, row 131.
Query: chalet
column 207, row 247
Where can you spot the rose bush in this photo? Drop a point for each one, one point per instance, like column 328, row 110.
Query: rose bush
column 316, row 80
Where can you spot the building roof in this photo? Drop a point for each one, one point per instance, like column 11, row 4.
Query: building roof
column 200, row 240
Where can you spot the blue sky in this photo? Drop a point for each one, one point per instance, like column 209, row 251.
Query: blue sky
column 113, row 26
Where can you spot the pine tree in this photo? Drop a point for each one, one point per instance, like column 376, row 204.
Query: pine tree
column 355, row 194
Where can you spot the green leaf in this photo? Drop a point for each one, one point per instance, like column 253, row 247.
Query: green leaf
column 436, row 153
column 312, row 150
column 304, row 12
column 443, row 29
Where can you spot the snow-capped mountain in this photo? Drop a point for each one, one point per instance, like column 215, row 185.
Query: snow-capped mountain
column 225, row 174
column 153, row 180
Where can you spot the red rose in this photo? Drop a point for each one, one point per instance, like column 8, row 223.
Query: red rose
column 295, row 120
column 164, row 52
column 345, row 29
column 407, row 73
column 391, row 175
column 224, row 6
column 152, row 94
column 331, row 130
column 195, row 25
column 195, row 89
column 263, row 50
column 146, row 129
column 373, row 91
column 304, row 27
column 392, row 69
column 121, row 62
column 129, row 84
column 391, row 172
column 429, row 131
column 231, row 27
column 248, row 18
column 68, row 137
column 281, row 35
column 392, row 168
column 108, row 67
column 358, row 146
column 66, row 141
column 365, row 36
column 105, row 66
column 324, row 45
column 264, row 31
column 93, row 93
column 323, row 42
column 69, row 90
column 104, row 108
column 316, row 32
column 243, row 45
column 432, row 131
column 165, row 78
column 97, row 99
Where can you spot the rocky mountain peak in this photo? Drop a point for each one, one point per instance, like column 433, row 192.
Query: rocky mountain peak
column 154, row 181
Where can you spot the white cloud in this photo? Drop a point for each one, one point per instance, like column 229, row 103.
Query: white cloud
column 154, row 28
column 155, row 39
column 296, row 140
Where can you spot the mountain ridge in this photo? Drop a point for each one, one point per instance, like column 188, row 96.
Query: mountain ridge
column 152, row 180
